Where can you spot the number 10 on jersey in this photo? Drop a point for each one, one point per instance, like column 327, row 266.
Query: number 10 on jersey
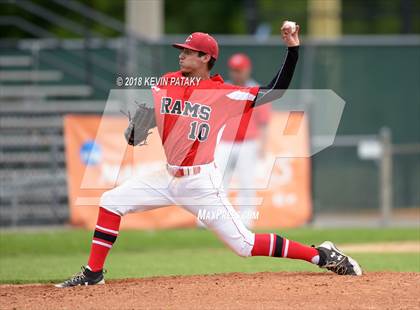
column 199, row 131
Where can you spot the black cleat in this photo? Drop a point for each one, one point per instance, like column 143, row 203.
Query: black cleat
column 332, row 259
column 85, row 277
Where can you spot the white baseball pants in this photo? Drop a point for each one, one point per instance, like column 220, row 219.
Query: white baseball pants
column 200, row 194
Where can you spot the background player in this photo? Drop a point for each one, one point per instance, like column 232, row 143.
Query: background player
column 243, row 142
column 188, row 120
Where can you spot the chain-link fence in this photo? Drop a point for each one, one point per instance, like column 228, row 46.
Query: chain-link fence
column 378, row 77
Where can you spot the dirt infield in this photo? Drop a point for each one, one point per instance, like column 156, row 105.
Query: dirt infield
column 227, row 291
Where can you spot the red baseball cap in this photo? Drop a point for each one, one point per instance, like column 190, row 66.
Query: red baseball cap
column 200, row 42
column 239, row 61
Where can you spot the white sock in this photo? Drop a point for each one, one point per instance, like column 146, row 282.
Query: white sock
column 315, row 260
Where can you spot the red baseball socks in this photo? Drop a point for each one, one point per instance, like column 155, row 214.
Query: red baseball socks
column 274, row 245
column 108, row 224
column 105, row 234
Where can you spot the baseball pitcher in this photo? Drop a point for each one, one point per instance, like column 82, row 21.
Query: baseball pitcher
column 189, row 119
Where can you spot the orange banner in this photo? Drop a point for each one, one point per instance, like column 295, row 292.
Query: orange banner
column 99, row 159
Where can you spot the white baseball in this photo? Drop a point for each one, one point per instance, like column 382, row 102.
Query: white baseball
column 291, row 25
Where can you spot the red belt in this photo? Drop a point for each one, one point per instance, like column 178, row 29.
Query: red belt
column 184, row 171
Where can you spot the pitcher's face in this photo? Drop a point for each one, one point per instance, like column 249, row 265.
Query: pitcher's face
column 190, row 61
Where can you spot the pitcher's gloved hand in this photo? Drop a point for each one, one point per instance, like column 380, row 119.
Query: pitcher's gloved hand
column 139, row 125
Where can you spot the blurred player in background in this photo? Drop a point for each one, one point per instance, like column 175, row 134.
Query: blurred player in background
column 243, row 142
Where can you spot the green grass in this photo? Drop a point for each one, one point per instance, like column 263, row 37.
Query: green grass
column 54, row 255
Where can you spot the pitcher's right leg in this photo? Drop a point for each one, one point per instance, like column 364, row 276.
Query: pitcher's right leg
column 245, row 243
column 214, row 209
column 325, row 256
column 229, row 227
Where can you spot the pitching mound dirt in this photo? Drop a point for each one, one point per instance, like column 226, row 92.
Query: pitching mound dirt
column 227, row 291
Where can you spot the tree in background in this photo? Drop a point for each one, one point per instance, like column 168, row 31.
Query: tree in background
column 229, row 16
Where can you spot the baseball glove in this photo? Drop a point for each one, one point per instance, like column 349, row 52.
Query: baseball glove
column 139, row 125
